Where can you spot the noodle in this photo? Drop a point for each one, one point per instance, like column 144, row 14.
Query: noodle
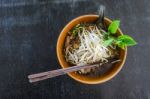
column 90, row 48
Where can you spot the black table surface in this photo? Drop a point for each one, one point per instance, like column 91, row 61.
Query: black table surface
column 28, row 35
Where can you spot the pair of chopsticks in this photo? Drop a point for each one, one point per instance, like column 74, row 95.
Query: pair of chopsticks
column 50, row 74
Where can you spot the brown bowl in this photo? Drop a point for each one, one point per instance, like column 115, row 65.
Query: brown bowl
column 83, row 78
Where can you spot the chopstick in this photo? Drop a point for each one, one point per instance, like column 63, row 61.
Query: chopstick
column 50, row 74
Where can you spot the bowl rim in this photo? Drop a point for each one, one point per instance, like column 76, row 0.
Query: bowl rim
column 79, row 80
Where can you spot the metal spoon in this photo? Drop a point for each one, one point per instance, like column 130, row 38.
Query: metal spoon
column 100, row 21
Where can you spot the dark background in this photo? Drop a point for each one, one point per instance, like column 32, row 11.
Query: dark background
column 28, row 34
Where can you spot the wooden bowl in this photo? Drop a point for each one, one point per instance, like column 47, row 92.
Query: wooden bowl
column 83, row 78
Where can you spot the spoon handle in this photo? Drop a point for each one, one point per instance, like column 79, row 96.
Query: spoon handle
column 101, row 15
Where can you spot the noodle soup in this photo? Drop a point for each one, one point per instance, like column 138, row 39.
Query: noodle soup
column 84, row 44
column 77, row 45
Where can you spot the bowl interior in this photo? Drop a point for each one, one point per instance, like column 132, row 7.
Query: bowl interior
column 83, row 78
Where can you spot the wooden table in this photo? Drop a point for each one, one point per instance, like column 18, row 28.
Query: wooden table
column 28, row 35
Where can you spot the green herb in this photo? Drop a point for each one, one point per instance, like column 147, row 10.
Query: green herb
column 121, row 41
column 76, row 29
column 75, row 33
column 108, row 42
column 126, row 40
column 113, row 26
column 121, row 45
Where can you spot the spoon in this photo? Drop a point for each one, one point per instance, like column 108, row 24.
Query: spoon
column 100, row 21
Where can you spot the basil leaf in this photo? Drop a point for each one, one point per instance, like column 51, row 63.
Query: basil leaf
column 121, row 45
column 114, row 26
column 108, row 42
column 127, row 40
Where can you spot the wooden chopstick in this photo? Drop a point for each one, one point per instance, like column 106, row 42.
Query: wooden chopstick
column 58, row 72
column 54, row 73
